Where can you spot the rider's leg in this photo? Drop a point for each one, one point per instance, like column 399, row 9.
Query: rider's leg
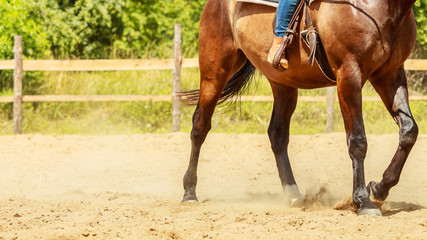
column 285, row 11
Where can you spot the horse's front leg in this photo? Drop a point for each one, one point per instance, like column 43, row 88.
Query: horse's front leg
column 285, row 100
column 349, row 85
column 394, row 93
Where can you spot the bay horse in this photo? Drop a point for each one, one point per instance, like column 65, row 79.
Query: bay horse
column 363, row 40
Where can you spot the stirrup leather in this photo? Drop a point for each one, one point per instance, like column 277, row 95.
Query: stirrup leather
column 280, row 52
column 289, row 35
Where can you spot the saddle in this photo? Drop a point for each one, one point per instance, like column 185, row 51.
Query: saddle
column 309, row 35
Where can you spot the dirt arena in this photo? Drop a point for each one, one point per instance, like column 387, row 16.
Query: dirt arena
column 130, row 187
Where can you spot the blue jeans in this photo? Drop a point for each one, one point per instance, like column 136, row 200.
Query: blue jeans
column 285, row 10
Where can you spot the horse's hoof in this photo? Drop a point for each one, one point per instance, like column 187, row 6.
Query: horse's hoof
column 372, row 189
column 369, row 212
column 190, row 201
column 295, row 199
column 297, row 202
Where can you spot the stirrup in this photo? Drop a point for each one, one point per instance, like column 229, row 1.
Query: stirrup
column 286, row 41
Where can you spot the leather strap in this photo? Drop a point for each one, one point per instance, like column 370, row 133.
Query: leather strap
column 289, row 35
column 312, row 33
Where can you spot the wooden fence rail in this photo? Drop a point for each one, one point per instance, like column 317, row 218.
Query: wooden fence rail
column 134, row 64
column 99, row 64
column 167, row 98
column 19, row 65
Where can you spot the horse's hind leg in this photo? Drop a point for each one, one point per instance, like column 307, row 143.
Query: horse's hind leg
column 219, row 60
column 285, row 101
column 213, row 80
column 394, row 93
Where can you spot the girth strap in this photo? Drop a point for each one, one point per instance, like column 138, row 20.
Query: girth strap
column 312, row 33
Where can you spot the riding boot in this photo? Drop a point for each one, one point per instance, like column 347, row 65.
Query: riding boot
column 277, row 45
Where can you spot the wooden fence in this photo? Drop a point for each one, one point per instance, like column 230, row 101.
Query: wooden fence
column 19, row 65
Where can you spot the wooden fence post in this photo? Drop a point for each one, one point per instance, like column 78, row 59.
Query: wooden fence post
column 330, row 113
column 17, row 86
column 176, row 112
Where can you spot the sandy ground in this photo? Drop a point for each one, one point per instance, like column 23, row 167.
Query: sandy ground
column 130, row 187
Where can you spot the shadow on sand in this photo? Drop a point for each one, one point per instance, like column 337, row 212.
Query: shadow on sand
column 392, row 208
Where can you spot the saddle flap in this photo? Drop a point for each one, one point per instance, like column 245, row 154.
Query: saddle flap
column 319, row 54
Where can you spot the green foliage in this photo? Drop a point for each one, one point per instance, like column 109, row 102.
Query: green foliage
column 15, row 19
column 420, row 11
column 149, row 23
column 116, row 28
column 80, row 29
column 417, row 80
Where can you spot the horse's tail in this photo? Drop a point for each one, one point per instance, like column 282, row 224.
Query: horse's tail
column 234, row 87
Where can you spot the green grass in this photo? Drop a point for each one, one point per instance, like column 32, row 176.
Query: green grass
column 155, row 117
